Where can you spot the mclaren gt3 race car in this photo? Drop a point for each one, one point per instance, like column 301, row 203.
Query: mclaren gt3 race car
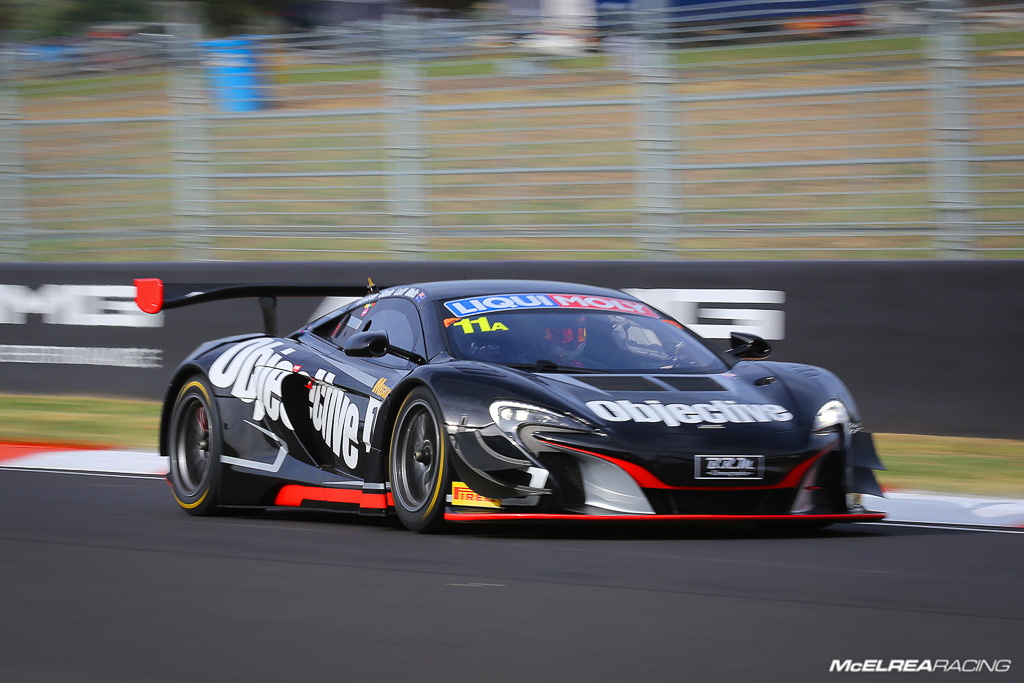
column 499, row 400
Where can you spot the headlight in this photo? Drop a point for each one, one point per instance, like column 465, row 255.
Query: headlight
column 509, row 416
column 829, row 415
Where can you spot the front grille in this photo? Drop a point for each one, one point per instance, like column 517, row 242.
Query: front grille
column 566, row 480
column 830, row 497
column 771, row 502
column 679, row 470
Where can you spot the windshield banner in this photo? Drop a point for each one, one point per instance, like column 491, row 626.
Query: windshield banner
column 494, row 304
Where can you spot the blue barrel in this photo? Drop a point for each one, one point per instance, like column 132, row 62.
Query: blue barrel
column 235, row 75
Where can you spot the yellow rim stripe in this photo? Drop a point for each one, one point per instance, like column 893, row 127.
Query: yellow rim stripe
column 441, row 454
column 189, row 506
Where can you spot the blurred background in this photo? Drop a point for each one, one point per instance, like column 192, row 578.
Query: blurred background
column 133, row 130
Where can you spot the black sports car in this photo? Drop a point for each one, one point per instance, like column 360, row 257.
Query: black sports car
column 503, row 399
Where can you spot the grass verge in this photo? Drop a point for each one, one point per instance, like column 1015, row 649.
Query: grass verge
column 80, row 421
column 928, row 463
column 953, row 464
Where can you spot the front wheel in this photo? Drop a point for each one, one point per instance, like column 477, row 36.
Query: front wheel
column 193, row 444
column 418, row 463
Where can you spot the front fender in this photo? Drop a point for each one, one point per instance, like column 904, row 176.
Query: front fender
column 811, row 387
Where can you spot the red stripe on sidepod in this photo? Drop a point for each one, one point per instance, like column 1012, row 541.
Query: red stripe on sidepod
column 293, row 495
column 375, row 501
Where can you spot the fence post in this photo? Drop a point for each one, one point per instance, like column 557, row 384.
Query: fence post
column 190, row 133
column 405, row 151
column 951, row 170
column 16, row 235
column 659, row 212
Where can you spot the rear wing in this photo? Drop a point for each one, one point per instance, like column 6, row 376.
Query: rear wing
column 153, row 295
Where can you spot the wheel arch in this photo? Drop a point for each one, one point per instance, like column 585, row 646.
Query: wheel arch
column 386, row 423
column 419, row 501
column 184, row 484
column 181, row 375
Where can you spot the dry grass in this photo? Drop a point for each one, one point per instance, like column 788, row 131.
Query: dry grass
column 952, row 464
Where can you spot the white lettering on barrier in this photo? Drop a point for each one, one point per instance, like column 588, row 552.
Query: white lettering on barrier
column 92, row 305
column 81, row 355
column 691, row 306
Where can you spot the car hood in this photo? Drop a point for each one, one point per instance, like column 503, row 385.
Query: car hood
column 745, row 399
column 726, row 402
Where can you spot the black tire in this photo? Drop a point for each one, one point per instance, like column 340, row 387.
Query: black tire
column 193, row 443
column 418, row 463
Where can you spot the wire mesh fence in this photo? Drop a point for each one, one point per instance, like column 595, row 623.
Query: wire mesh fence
column 736, row 134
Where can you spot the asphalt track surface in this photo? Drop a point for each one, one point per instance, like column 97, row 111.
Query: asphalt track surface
column 103, row 578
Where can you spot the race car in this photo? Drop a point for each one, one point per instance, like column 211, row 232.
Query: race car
column 486, row 400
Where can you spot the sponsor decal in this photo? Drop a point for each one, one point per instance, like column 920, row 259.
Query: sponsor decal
column 92, row 305
column 495, row 304
column 335, row 415
column 252, row 371
column 675, row 414
column 716, row 313
column 381, row 388
column 81, row 355
column 482, row 324
column 729, row 467
column 333, row 303
column 920, row 665
column 413, row 293
column 463, row 495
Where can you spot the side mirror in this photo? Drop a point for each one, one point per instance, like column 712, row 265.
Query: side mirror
column 373, row 344
column 749, row 346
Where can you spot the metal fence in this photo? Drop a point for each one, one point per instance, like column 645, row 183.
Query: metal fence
column 893, row 133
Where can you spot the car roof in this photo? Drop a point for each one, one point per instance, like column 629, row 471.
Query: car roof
column 448, row 289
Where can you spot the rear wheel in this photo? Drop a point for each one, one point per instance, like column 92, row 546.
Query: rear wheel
column 418, row 463
column 193, row 444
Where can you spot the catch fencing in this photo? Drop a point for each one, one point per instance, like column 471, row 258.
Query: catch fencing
column 882, row 133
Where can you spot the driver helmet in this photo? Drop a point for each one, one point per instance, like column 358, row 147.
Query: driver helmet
column 564, row 337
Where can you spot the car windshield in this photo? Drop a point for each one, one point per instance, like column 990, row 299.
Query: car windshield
column 610, row 335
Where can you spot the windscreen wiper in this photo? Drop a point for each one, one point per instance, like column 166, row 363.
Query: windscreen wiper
column 544, row 365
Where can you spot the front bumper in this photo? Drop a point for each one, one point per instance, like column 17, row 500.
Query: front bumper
column 584, row 483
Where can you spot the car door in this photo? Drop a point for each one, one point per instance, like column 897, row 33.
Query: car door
column 347, row 395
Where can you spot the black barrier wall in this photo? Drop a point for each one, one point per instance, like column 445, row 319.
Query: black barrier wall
column 926, row 347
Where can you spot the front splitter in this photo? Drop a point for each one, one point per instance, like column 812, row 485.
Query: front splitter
column 452, row 516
